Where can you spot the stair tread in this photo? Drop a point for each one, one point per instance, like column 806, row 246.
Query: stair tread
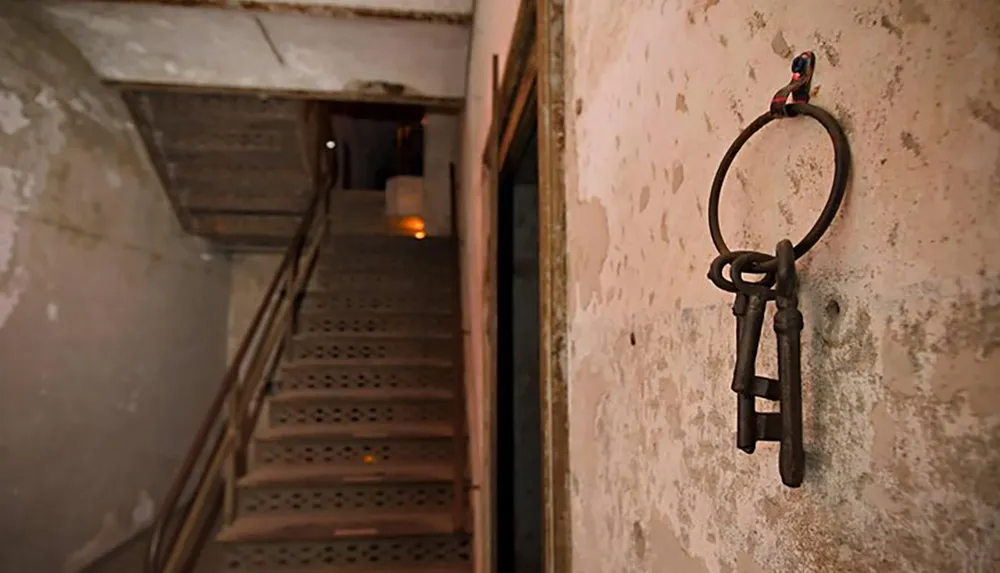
column 362, row 430
column 368, row 362
column 338, row 525
column 306, row 309
column 328, row 474
column 417, row 568
column 373, row 394
column 388, row 334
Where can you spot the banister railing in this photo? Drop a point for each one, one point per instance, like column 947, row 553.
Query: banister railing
column 215, row 460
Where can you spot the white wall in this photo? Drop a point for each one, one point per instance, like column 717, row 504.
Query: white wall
column 218, row 47
column 493, row 26
column 441, row 138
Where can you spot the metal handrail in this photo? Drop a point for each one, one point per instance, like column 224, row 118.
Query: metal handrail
column 237, row 402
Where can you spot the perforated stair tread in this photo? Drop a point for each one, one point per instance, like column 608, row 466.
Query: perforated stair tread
column 368, row 362
column 447, row 568
column 387, row 334
column 339, row 525
column 428, row 311
column 328, row 474
column 362, row 431
column 362, row 394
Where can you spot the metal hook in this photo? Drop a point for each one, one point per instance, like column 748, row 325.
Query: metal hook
column 798, row 87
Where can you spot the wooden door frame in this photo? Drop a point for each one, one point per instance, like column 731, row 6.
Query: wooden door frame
column 535, row 63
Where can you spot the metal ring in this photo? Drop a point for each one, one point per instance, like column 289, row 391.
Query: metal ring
column 722, row 261
column 842, row 167
column 736, row 274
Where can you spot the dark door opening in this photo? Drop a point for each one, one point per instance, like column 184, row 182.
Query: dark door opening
column 519, row 523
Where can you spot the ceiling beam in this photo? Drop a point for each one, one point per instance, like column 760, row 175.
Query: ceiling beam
column 443, row 105
column 309, row 9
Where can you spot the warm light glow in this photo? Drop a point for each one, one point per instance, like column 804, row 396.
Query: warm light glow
column 412, row 224
column 330, row 144
column 420, row 234
column 368, row 459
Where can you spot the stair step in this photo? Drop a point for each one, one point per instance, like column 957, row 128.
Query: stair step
column 409, row 350
column 396, row 568
column 351, row 362
column 369, row 499
column 356, row 452
column 362, row 394
column 442, row 553
column 323, row 376
column 326, row 474
column 375, row 323
column 380, row 411
column 330, row 283
column 417, row 300
column 358, row 431
column 334, row 525
column 382, row 306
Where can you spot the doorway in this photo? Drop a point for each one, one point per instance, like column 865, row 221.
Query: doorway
column 519, row 480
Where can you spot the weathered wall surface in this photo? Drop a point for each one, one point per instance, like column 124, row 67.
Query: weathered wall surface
column 230, row 48
column 251, row 275
column 428, row 6
column 901, row 299
column 112, row 324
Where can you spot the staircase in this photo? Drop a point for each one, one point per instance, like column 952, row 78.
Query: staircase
column 352, row 466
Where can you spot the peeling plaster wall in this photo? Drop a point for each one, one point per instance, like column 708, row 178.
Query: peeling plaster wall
column 112, row 322
column 217, row 47
column 901, row 351
column 493, row 24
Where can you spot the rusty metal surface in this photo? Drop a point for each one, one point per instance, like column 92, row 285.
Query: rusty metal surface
column 227, row 160
column 314, row 10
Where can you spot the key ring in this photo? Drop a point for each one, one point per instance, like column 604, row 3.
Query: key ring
column 722, row 261
column 842, row 167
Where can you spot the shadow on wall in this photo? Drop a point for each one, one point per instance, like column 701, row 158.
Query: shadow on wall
column 112, row 322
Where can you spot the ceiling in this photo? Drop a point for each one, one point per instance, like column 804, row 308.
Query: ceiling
column 395, row 50
column 221, row 92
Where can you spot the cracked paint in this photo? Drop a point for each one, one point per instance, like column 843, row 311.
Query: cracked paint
column 149, row 42
column 902, row 339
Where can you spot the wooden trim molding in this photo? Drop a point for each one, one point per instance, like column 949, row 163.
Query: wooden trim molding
column 550, row 48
